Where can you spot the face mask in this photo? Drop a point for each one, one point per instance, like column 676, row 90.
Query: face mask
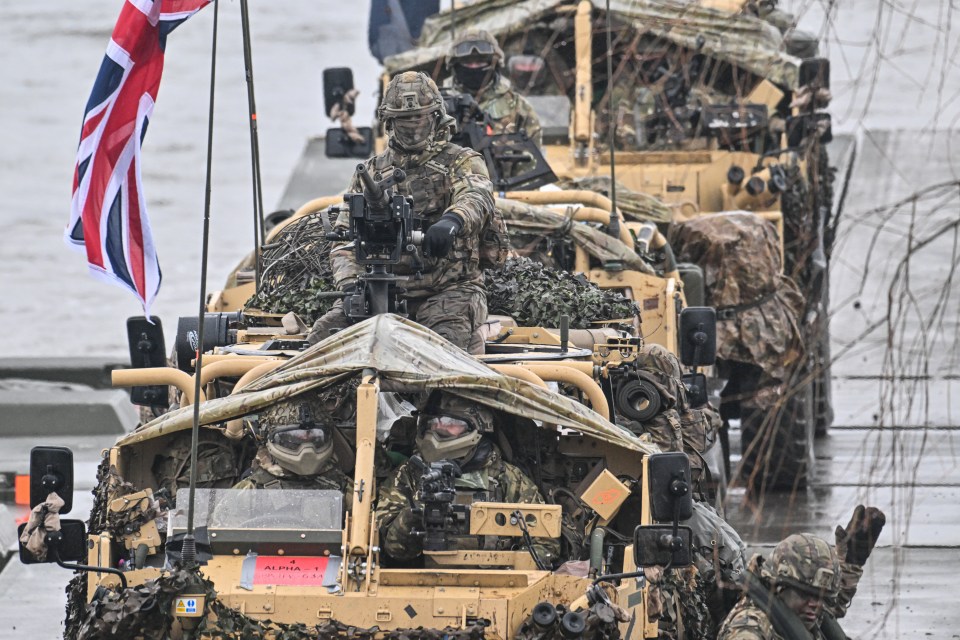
column 473, row 78
column 413, row 134
column 301, row 451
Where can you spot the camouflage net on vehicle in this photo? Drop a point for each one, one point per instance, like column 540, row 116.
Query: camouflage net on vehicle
column 537, row 296
column 296, row 267
column 146, row 612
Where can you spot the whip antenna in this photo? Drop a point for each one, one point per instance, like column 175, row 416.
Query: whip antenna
column 259, row 227
column 613, row 228
column 189, row 552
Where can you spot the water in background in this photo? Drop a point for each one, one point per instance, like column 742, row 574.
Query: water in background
column 49, row 305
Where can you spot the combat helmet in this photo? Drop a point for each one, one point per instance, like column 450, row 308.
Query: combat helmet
column 474, row 59
column 806, row 563
column 450, row 427
column 411, row 111
column 294, row 440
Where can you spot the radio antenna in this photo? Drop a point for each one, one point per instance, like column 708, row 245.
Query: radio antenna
column 189, row 551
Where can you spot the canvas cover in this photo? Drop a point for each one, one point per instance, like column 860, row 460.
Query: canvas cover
column 532, row 221
column 407, row 357
column 742, row 40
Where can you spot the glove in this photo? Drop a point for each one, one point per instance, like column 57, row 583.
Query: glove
column 438, row 240
column 855, row 543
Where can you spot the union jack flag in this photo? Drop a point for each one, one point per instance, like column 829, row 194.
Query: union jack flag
column 108, row 213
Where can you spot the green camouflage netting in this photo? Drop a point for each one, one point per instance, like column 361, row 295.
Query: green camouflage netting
column 296, row 267
column 537, row 296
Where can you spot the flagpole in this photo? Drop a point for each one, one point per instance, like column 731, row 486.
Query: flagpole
column 259, row 227
column 189, row 551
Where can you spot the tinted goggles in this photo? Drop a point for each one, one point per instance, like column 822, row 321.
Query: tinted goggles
column 473, row 48
column 444, row 426
column 295, row 437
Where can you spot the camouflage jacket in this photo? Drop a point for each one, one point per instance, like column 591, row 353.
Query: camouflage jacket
column 495, row 481
column 748, row 621
column 508, row 111
column 267, row 474
column 445, row 177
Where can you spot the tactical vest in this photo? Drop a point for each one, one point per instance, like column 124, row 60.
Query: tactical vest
column 431, row 187
column 429, row 184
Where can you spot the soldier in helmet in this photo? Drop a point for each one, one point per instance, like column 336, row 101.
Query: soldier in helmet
column 475, row 62
column 453, row 205
column 452, row 428
column 802, row 575
column 297, row 453
column 805, row 585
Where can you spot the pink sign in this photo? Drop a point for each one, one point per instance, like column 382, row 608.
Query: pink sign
column 295, row 570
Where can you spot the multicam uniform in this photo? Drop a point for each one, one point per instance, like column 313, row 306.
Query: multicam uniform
column 445, row 293
column 487, row 477
column 508, row 111
column 802, row 562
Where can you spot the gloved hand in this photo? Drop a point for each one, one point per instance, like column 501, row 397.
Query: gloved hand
column 438, row 240
column 856, row 541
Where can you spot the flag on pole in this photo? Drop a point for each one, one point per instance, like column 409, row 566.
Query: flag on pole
column 108, row 214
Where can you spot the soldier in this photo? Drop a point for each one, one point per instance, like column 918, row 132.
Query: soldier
column 297, row 453
column 475, row 62
column 453, row 204
column 805, row 585
column 454, row 429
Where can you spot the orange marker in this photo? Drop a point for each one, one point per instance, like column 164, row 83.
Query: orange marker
column 21, row 490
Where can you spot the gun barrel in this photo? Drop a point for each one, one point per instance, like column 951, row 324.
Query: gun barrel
column 375, row 194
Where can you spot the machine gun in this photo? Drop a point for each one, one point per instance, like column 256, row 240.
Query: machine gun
column 436, row 491
column 382, row 231
column 513, row 160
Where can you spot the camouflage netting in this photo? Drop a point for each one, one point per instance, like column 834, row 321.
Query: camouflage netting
column 740, row 257
column 739, row 39
column 145, row 612
column 636, row 206
column 296, row 267
column 537, row 296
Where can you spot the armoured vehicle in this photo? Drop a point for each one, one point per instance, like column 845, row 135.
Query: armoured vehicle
column 302, row 564
column 713, row 108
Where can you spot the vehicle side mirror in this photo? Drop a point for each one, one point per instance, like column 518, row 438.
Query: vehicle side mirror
column 147, row 350
column 659, row 545
column 51, row 469
column 670, row 487
column 698, row 336
column 340, row 145
column 696, row 385
column 67, row 545
column 337, row 82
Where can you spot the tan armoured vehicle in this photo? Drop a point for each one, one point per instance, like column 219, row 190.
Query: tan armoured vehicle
column 713, row 111
column 308, row 563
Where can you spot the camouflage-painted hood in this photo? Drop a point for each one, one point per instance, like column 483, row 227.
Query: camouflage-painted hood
column 408, row 357
column 742, row 40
